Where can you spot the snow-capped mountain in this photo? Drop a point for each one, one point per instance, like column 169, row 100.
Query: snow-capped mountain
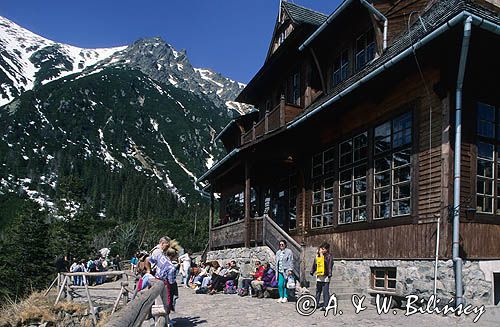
column 109, row 118
column 28, row 59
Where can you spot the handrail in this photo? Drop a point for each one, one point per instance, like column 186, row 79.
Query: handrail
column 285, row 235
column 134, row 313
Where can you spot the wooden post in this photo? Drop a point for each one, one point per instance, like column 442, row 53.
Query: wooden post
column 51, row 285
column 247, row 204
column 282, row 110
column 115, row 305
column 91, row 307
column 61, row 289
column 211, row 217
column 253, row 131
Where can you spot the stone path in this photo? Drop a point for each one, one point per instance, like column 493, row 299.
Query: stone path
column 233, row 310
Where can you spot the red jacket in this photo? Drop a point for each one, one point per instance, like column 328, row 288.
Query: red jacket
column 259, row 273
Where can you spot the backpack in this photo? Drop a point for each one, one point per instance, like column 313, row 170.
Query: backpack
column 230, row 287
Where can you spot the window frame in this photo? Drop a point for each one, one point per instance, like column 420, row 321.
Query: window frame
column 494, row 141
column 340, row 68
column 364, row 51
column 391, row 153
column 386, row 278
column 318, row 194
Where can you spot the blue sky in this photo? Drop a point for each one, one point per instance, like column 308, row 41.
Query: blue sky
column 229, row 36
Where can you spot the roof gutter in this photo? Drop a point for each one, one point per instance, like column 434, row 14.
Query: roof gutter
column 224, row 129
column 218, row 164
column 337, row 12
column 476, row 20
column 330, row 18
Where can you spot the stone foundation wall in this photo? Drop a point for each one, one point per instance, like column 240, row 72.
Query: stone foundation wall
column 245, row 257
column 417, row 277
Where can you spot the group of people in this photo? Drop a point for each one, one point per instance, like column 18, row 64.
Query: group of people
column 163, row 264
column 95, row 264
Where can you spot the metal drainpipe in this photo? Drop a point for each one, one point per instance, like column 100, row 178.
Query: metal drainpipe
column 458, row 142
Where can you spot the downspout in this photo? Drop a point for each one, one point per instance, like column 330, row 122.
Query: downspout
column 377, row 13
column 458, row 142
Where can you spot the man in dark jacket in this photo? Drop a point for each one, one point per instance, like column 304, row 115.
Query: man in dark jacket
column 323, row 275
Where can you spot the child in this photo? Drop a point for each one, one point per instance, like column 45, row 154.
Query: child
column 322, row 268
column 171, row 277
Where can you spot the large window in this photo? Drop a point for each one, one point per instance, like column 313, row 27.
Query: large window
column 371, row 170
column 392, row 168
column 341, row 67
column 323, row 185
column 353, row 156
column 365, row 49
column 488, row 149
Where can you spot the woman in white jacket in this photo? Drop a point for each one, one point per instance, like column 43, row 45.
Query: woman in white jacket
column 284, row 268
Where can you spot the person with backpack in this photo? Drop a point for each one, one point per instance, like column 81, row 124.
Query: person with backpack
column 284, row 269
column 322, row 268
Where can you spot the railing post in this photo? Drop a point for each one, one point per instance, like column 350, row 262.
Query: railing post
column 266, row 121
column 253, row 131
column 282, row 110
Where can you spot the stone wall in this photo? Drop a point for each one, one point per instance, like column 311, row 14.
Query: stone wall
column 417, row 277
column 245, row 257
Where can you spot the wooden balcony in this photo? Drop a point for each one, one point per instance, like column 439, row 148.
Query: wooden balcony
column 274, row 119
column 233, row 234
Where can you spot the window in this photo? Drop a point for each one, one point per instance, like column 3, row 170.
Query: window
column 353, row 155
column 365, row 49
column 392, row 168
column 340, row 68
column 488, row 151
column 235, row 208
column 383, row 278
column 323, row 186
column 322, row 204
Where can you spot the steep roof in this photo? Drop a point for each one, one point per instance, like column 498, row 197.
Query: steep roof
column 302, row 15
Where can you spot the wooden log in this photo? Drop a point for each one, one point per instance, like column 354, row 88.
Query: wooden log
column 73, row 287
column 134, row 313
column 91, row 307
column 51, row 285
column 61, row 289
column 115, row 305
column 104, row 273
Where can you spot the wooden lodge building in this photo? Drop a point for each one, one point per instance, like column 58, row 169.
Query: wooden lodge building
column 354, row 139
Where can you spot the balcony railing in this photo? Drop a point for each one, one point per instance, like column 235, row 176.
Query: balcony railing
column 279, row 116
column 233, row 234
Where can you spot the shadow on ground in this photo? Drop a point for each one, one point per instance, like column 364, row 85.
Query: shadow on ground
column 188, row 321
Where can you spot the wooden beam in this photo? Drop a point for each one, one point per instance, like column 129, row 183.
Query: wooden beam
column 91, row 307
column 282, row 110
column 134, row 313
column 247, row 204
column 318, row 67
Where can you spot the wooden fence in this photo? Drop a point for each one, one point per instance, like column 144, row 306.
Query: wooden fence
column 64, row 287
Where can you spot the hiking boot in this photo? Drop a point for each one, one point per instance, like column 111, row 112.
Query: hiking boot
column 255, row 294
column 260, row 295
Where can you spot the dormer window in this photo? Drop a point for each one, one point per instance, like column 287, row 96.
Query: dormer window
column 341, row 67
column 365, row 49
